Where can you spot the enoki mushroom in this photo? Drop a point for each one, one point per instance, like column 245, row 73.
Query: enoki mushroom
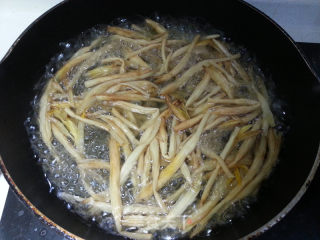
column 174, row 118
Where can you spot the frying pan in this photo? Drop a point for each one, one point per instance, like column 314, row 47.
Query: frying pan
column 274, row 50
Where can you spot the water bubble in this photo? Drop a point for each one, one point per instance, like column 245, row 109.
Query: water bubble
column 61, row 55
column 123, row 20
column 208, row 232
column 43, row 232
column 64, row 183
column 20, row 213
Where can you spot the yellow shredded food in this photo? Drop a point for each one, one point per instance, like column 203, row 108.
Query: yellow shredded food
column 152, row 97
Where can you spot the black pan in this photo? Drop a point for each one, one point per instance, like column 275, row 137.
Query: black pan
column 275, row 51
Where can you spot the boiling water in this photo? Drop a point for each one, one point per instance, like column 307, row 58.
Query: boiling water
column 61, row 170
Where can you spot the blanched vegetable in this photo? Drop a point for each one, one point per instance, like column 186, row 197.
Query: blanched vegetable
column 179, row 141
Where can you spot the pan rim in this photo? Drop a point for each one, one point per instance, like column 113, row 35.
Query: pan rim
column 268, row 225
column 7, row 54
column 276, row 25
column 253, row 8
column 265, row 227
column 46, row 220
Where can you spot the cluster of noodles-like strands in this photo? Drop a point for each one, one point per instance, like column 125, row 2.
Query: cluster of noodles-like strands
column 156, row 99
